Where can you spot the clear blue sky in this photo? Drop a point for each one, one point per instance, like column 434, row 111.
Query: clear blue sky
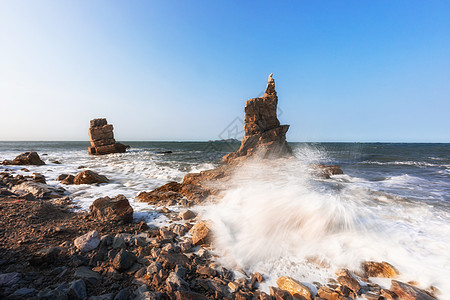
column 182, row 70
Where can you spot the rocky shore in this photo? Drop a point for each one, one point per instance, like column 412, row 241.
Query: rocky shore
column 48, row 250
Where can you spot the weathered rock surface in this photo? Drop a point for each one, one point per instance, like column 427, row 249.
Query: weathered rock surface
column 169, row 192
column 264, row 135
column 26, row 158
column 325, row 171
column 379, row 269
column 88, row 241
column 102, row 139
column 408, row 292
column 89, row 177
column 117, row 209
column 200, row 233
column 39, row 190
column 294, row 287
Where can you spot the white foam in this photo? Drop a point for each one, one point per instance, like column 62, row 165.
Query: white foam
column 275, row 216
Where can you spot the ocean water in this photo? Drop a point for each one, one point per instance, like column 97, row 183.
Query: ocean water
column 392, row 203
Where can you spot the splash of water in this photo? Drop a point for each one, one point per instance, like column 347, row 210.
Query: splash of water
column 278, row 219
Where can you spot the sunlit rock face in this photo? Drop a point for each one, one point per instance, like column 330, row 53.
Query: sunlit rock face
column 102, row 138
column 264, row 136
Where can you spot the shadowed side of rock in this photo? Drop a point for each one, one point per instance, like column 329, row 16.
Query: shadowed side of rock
column 102, row 139
column 26, row 158
column 264, row 136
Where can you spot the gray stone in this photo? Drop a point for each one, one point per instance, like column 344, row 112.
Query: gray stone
column 24, row 293
column 87, row 274
column 77, row 289
column 119, row 242
column 123, row 260
column 177, row 281
column 52, row 295
column 9, row 279
column 123, row 294
column 88, row 241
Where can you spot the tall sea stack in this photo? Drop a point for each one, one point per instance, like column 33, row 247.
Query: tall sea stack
column 264, row 136
column 102, row 138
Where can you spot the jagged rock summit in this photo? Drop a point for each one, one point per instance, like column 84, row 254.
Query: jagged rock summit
column 264, row 135
column 102, row 138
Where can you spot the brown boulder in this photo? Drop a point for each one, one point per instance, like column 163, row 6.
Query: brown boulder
column 201, row 234
column 89, row 177
column 102, row 138
column 377, row 269
column 294, row 287
column 325, row 171
column 66, row 178
column 408, row 292
column 195, row 193
column 163, row 194
column 26, row 158
column 264, row 135
column 117, row 209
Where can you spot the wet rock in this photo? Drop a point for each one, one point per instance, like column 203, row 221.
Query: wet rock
column 186, row 214
column 264, row 135
column 377, row 269
column 370, row 296
column 325, row 171
column 280, row 294
column 26, row 158
column 350, row 282
column 327, row 293
column 234, row 286
column 9, row 279
column 294, row 287
column 102, row 138
column 77, row 289
column 195, row 193
column 169, row 191
column 68, row 179
column 258, row 277
column 389, row 295
column 227, row 274
column 89, row 177
column 408, row 292
column 200, row 233
column 123, row 260
column 38, row 177
column 88, row 241
column 117, row 209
